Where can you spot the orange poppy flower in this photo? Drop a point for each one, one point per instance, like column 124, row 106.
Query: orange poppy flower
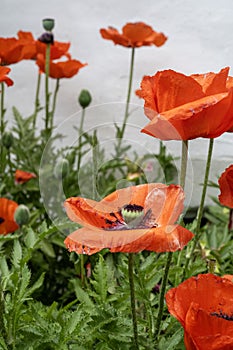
column 226, row 187
column 11, row 51
column 32, row 47
column 184, row 107
column 7, row 210
column 23, row 176
column 129, row 220
column 63, row 69
column 3, row 76
column 204, row 307
column 134, row 35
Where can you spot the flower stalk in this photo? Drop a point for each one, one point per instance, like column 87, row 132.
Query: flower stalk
column 201, row 207
column 80, row 139
column 37, row 102
column 132, row 299
column 126, row 115
column 47, row 95
column 54, row 103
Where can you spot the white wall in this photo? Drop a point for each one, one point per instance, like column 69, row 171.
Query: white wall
column 199, row 40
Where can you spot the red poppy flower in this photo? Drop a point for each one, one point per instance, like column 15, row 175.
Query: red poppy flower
column 204, row 307
column 32, row 47
column 134, row 35
column 23, row 176
column 184, row 107
column 226, row 187
column 7, row 209
column 63, row 69
column 11, row 51
column 129, row 220
column 3, row 76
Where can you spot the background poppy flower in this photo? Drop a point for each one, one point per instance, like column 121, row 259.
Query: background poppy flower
column 63, row 69
column 153, row 208
column 11, row 51
column 204, row 307
column 7, row 210
column 134, row 35
column 226, row 187
column 23, row 176
column 3, row 76
column 184, row 107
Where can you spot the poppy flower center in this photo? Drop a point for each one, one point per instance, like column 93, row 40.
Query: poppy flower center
column 1, row 220
column 134, row 217
column 222, row 315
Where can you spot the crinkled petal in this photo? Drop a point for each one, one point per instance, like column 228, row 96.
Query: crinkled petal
column 226, row 187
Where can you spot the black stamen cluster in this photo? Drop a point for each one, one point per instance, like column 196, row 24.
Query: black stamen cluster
column 133, row 207
column 222, row 315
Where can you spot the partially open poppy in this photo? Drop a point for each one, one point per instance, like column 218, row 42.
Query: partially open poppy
column 226, row 187
column 204, row 307
column 134, row 35
column 3, row 76
column 184, row 107
column 7, row 210
column 11, row 51
column 129, row 220
column 63, row 69
column 23, row 176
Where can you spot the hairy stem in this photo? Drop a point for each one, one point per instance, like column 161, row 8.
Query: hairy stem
column 47, row 64
column 80, row 138
column 37, row 102
column 54, row 103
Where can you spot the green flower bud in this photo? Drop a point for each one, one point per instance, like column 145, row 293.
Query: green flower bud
column 61, row 169
column 48, row 24
column 84, row 98
column 7, row 139
column 22, row 215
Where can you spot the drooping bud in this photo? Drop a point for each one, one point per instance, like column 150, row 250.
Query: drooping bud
column 48, row 24
column 7, row 139
column 84, row 98
column 22, row 215
column 61, row 169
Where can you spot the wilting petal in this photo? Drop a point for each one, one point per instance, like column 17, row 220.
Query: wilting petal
column 23, row 176
column 3, row 76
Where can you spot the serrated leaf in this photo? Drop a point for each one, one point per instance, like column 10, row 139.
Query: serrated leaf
column 17, row 254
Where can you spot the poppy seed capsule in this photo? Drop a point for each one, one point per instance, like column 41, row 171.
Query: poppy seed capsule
column 21, row 215
column 84, row 98
column 61, row 169
column 48, row 24
column 7, row 139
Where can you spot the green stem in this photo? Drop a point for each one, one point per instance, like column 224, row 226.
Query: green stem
column 80, row 138
column 47, row 63
column 1, row 126
column 54, row 103
column 184, row 159
column 162, row 294
column 132, row 299
column 2, row 109
column 201, row 207
column 122, row 130
column 82, row 270
column 37, row 102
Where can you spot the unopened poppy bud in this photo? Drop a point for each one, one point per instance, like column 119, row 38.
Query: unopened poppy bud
column 48, row 24
column 7, row 139
column 61, row 169
column 22, row 215
column 46, row 38
column 84, row 98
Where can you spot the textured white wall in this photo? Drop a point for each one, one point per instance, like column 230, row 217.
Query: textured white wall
column 199, row 40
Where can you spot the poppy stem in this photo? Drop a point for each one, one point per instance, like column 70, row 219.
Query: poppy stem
column 54, row 103
column 2, row 126
column 161, row 296
column 37, row 101
column 184, row 158
column 47, row 95
column 132, row 299
column 201, row 207
column 80, row 138
column 122, row 130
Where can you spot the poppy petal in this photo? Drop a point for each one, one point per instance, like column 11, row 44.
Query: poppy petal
column 211, row 82
column 200, row 118
column 7, row 210
column 160, row 239
column 226, row 187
